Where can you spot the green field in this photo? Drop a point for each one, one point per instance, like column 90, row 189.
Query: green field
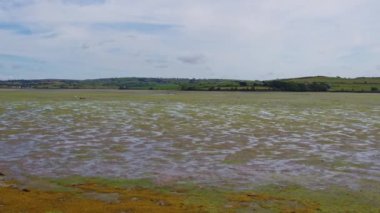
column 306, row 84
column 344, row 84
column 322, row 148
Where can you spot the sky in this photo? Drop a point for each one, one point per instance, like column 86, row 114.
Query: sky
column 231, row 39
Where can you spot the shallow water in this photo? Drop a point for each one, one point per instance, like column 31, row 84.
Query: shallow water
column 235, row 139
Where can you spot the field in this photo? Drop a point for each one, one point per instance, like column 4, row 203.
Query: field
column 338, row 84
column 304, row 84
column 194, row 151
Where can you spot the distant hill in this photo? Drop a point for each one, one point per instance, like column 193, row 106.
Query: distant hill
column 314, row 83
column 338, row 84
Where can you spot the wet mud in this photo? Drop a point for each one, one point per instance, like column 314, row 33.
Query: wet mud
column 237, row 140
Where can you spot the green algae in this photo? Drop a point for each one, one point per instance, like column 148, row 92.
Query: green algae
column 331, row 199
column 109, row 182
column 268, row 198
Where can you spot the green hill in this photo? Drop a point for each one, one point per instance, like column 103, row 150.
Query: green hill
column 338, row 84
column 313, row 84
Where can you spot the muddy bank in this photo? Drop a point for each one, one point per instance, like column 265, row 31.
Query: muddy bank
column 79, row 194
column 92, row 197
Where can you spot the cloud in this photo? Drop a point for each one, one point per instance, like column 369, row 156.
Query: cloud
column 84, row 2
column 85, row 46
column 162, row 66
column 14, row 4
column 253, row 38
column 160, row 62
column 133, row 26
column 16, row 67
column 192, row 59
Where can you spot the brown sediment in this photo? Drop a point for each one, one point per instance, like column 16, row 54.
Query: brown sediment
column 13, row 199
column 93, row 197
column 257, row 202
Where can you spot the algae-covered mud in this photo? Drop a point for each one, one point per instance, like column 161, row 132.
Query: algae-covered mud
column 231, row 141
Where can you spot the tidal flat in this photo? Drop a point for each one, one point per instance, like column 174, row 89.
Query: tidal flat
column 218, row 151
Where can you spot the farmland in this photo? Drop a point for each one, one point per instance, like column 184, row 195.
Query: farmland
column 304, row 84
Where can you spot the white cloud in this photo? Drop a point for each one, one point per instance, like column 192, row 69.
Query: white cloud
column 242, row 39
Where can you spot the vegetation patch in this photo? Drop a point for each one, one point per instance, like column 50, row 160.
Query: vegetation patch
column 314, row 84
column 111, row 195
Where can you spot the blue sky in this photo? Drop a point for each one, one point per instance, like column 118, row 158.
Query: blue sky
column 240, row 39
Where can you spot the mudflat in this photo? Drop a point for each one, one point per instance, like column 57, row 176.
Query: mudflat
column 277, row 151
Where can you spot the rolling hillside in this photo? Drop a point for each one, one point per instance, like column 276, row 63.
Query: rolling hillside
column 337, row 84
column 315, row 83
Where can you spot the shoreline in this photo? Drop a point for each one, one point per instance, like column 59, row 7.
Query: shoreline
column 88, row 194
